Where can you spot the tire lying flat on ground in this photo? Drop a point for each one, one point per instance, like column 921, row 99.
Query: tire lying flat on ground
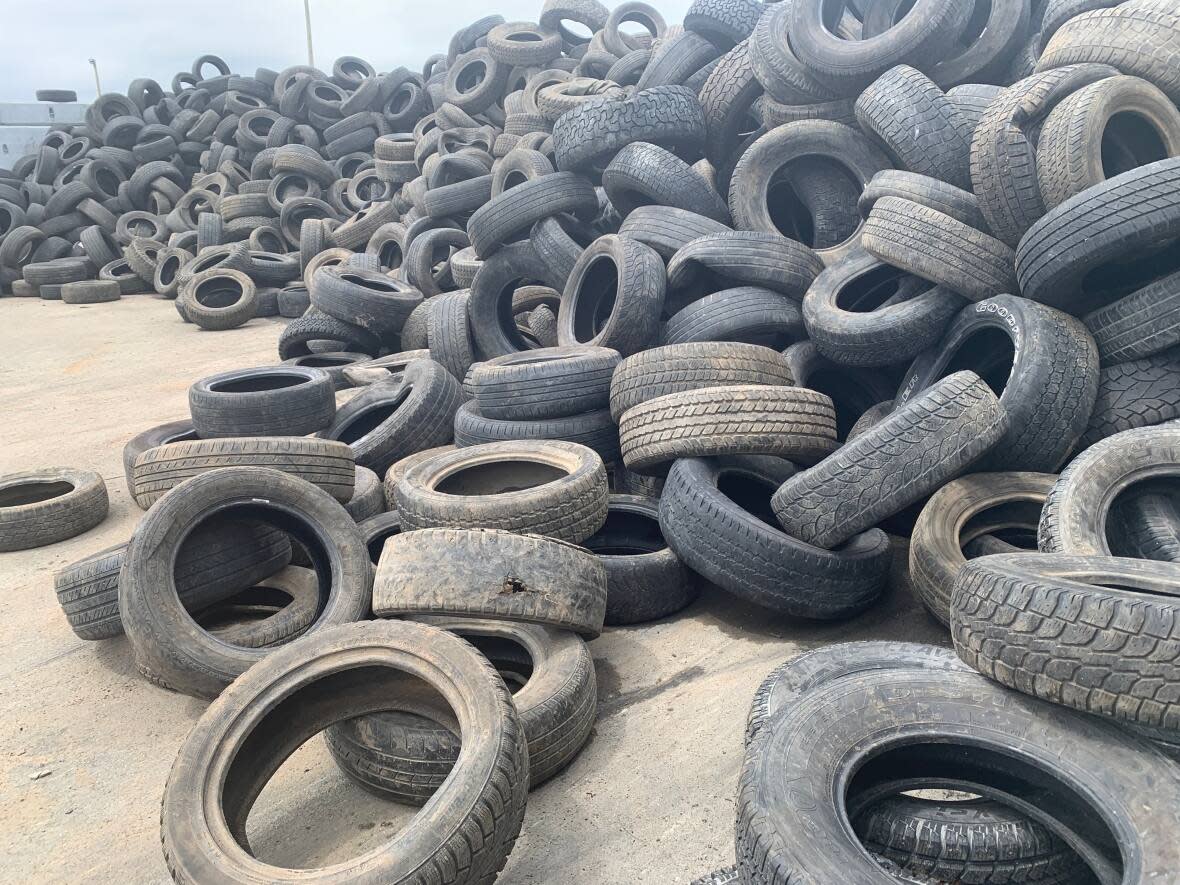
column 40, row 507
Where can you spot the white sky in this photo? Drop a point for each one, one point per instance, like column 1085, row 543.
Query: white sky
column 45, row 44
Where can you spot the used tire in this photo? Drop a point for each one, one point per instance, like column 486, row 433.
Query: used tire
column 475, row 815
column 556, row 489
column 863, row 312
column 843, row 724
column 41, row 507
column 220, row 559
column 921, row 127
column 551, row 675
column 681, row 367
column 753, row 186
column 1076, row 511
column 595, row 430
column 1061, row 260
column 1102, row 130
column 936, row 545
column 645, row 580
column 591, row 134
column 748, row 314
column 388, row 421
column 371, row 301
column 613, row 297
column 789, row 422
column 551, row 382
column 325, row 464
column 168, row 644
column 268, row 401
column 1140, row 325
column 487, row 573
column 1119, row 666
column 1136, row 394
column 897, row 462
column 715, row 514
column 938, row 248
column 791, row 681
column 1041, row 362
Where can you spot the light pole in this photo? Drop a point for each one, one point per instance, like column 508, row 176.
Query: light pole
column 97, row 85
column 307, row 20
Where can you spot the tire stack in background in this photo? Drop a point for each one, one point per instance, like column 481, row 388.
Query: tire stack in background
column 577, row 323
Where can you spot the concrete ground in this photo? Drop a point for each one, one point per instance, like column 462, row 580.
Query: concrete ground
column 86, row 744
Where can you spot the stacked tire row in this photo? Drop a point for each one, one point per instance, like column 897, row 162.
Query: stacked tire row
column 790, row 282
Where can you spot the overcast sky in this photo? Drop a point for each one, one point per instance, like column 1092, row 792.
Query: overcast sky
column 47, row 44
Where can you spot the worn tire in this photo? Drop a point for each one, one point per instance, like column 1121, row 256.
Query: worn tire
column 921, row 127
column 167, row 644
column 556, row 489
column 1074, row 520
column 268, row 401
column 1136, row 394
column 618, row 276
column 221, row 559
column 325, row 464
column 681, row 367
column 897, row 462
column 936, row 247
column 861, row 311
column 42, row 507
column 391, row 420
column 645, row 580
column 789, row 422
column 1047, row 389
column 547, row 383
column 945, row 527
column 475, row 817
column 733, row 543
column 1076, row 147
column 407, row 758
column 488, row 573
column 592, row 133
column 1121, row 655
column 1140, row 325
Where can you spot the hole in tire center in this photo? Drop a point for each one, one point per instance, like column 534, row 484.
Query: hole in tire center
column 964, row 768
column 870, row 290
column 524, row 37
column 34, row 492
column 989, row 353
column 627, row 533
column 980, row 15
column 308, row 792
column 850, row 397
column 750, row 492
column 168, row 269
column 513, row 178
column 366, row 282
column 263, row 549
column 1129, row 141
column 1140, row 521
column 788, row 213
column 252, row 605
column 369, row 419
column 511, row 659
column 499, row 477
column 390, row 255
column 258, row 383
column 218, row 292
column 595, row 298
column 472, row 75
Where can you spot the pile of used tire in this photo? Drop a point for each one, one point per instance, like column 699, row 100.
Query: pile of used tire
column 580, row 321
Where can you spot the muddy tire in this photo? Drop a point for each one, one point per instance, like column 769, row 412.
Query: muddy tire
column 487, row 573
